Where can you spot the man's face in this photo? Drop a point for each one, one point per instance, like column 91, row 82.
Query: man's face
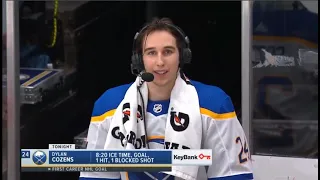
column 161, row 57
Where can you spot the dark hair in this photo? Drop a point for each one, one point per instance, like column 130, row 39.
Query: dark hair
column 163, row 24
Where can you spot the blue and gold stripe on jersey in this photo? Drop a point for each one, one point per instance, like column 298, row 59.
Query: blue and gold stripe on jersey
column 214, row 102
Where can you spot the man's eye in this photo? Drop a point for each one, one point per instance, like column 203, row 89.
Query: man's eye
column 151, row 53
column 168, row 52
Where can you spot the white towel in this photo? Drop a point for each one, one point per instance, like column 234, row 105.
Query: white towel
column 183, row 127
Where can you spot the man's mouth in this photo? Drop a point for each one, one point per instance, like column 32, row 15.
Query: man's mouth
column 161, row 72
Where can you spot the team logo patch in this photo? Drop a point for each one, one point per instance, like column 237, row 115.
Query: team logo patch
column 179, row 122
column 157, row 108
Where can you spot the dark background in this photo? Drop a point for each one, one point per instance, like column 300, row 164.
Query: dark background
column 104, row 52
column 214, row 29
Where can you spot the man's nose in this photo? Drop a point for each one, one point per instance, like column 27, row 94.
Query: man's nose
column 159, row 60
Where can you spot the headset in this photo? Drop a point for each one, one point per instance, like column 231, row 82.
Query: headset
column 137, row 67
column 184, row 52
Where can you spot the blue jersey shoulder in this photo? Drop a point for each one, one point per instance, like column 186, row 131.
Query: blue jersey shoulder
column 213, row 98
column 110, row 99
column 210, row 97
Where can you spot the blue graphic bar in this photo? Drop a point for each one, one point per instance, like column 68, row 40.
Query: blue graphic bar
column 69, row 157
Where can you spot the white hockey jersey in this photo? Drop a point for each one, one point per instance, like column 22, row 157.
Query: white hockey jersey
column 222, row 133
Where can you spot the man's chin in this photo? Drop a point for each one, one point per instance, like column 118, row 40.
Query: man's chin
column 161, row 83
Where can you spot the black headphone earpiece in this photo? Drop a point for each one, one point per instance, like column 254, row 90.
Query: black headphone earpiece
column 136, row 59
column 136, row 64
column 186, row 52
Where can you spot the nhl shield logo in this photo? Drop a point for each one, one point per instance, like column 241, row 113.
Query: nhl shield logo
column 157, row 108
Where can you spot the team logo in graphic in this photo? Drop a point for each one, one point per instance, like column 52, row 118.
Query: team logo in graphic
column 39, row 157
column 179, row 122
column 157, row 108
column 126, row 113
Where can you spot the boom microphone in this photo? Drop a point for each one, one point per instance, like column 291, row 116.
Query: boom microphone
column 148, row 77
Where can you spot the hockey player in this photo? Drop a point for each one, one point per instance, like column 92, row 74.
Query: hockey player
column 159, row 53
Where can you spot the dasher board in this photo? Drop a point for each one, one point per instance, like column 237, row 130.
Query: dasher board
column 34, row 81
column 30, row 77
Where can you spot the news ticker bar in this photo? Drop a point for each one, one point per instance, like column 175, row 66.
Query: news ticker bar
column 111, row 160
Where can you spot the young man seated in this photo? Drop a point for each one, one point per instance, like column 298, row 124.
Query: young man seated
column 180, row 113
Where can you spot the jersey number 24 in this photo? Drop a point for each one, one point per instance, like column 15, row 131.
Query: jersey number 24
column 244, row 153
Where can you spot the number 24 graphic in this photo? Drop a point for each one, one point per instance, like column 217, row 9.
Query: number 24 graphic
column 244, row 153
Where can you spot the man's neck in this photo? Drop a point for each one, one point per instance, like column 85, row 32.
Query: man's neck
column 159, row 93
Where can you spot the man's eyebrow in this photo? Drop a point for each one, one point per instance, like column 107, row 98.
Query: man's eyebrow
column 169, row 47
column 166, row 47
column 148, row 49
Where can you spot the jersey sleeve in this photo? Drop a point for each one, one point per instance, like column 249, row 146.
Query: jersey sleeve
column 230, row 150
column 103, row 111
column 96, row 139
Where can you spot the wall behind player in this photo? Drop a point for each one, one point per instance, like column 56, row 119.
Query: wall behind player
column 215, row 36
